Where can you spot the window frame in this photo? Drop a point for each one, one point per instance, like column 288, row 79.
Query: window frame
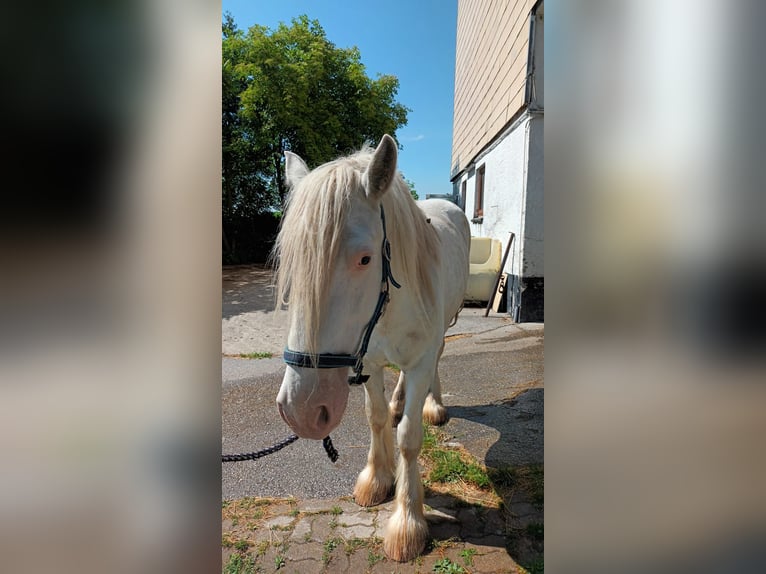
column 478, row 193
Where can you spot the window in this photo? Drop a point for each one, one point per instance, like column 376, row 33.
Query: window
column 462, row 194
column 478, row 197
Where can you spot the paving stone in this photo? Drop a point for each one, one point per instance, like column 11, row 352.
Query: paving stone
column 440, row 501
column 338, row 562
column 349, row 507
column 523, row 509
column 466, row 515
column 265, row 534
column 358, row 531
column 320, row 528
column 494, row 523
column 307, row 550
column 357, row 561
column 492, row 541
column 493, row 562
column 278, row 522
column 435, row 516
column 445, row 530
column 383, row 516
column 313, row 506
column 358, row 518
column 302, row 528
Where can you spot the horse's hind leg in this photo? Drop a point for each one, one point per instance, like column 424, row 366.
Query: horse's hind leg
column 396, row 406
column 434, row 411
column 376, row 481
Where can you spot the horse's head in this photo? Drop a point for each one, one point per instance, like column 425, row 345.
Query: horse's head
column 330, row 252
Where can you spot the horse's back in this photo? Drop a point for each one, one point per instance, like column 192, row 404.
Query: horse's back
column 451, row 225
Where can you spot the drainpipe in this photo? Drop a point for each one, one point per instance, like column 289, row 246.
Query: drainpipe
column 528, row 91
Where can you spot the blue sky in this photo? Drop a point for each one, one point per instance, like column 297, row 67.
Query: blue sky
column 413, row 40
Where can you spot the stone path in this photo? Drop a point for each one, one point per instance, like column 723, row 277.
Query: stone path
column 338, row 536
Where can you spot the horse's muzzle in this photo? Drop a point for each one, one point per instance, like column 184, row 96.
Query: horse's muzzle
column 312, row 401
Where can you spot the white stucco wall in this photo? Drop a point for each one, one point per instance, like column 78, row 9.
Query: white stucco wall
column 534, row 254
column 513, row 198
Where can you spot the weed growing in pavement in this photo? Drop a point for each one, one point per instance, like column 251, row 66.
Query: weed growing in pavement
column 467, row 556
column 373, row 558
column 447, row 566
column 329, row 546
column 239, row 564
column 255, row 355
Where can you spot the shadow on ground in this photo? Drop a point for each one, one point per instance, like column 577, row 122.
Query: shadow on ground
column 246, row 288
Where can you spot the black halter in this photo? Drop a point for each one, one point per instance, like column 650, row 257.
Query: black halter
column 334, row 361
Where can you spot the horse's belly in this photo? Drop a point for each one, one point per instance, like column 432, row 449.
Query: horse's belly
column 451, row 225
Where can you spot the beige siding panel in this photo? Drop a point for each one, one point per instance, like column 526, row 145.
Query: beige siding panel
column 490, row 71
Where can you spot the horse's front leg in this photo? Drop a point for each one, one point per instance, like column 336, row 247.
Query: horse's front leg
column 376, row 481
column 407, row 531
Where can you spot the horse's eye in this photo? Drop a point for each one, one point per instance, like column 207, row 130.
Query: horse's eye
column 365, row 260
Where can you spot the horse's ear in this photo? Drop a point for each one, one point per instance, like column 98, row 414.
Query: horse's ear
column 382, row 169
column 295, row 169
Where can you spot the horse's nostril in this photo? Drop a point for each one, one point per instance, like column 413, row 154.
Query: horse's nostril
column 324, row 416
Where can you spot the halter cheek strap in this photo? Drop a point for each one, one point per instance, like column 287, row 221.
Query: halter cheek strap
column 336, row 361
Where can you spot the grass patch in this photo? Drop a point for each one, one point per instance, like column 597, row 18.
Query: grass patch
column 354, row 544
column 239, row 564
column 242, row 545
column 394, row 368
column 262, row 547
column 336, row 510
column 444, row 544
column 254, row 355
column 373, row 558
column 449, row 466
column 329, row 546
column 279, row 561
column 467, row 556
column 453, row 471
column 447, row 566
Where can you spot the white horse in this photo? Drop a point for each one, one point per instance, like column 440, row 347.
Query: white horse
column 332, row 267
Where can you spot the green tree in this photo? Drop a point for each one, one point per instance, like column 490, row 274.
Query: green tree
column 411, row 185
column 292, row 89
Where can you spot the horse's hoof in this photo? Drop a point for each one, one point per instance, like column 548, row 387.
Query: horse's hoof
column 372, row 488
column 434, row 413
column 405, row 538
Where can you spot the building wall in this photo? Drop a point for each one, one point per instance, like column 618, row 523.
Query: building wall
column 498, row 126
column 490, row 72
column 513, row 202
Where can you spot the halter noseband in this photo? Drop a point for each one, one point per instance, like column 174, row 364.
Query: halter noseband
column 336, row 361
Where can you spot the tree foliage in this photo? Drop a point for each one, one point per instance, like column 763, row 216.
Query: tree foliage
column 291, row 89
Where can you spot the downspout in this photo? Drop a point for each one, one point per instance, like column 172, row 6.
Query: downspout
column 529, row 92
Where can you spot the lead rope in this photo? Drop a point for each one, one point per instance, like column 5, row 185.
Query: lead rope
column 332, row 454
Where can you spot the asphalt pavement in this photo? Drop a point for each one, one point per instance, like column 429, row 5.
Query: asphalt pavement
column 492, row 382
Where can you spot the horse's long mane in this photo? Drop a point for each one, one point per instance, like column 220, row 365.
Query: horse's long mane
column 311, row 234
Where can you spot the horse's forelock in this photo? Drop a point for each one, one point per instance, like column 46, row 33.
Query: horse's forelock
column 310, row 235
